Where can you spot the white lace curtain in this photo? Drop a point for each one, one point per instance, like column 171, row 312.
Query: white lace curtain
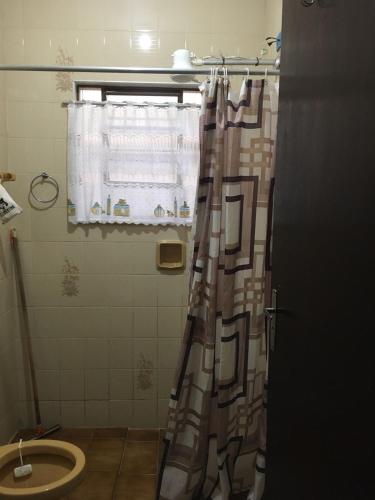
column 132, row 164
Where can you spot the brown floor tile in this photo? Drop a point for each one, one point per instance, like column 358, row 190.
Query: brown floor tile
column 160, row 453
column 143, row 435
column 82, row 443
column 111, row 432
column 161, row 446
column 24, row 434
column 140, row 457
column 135, row 488
column 107, row 444
column 67, row 433
column 96, row 486
column 103, row 460
column 63, row 434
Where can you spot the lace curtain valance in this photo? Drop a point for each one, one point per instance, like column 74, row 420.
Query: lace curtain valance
column 132, row 164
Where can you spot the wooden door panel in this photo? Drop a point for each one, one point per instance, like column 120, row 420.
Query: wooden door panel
column 321, row 374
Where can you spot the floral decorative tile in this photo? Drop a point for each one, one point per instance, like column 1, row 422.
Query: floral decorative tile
column 64, row 81
column 144, row 377
column 70, row 282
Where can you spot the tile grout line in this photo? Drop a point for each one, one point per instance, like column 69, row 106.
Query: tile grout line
column 119, row 467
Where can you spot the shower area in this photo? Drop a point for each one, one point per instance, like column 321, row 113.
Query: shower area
column 114, row 277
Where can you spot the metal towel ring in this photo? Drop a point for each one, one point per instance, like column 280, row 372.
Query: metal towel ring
column 44, row 176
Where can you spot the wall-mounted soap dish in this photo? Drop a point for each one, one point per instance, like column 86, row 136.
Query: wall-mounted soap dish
column 171, row 254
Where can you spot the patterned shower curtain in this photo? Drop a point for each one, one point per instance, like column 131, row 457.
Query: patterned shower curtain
column 215, row 439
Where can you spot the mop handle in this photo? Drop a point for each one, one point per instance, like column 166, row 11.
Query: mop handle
column 26, row 325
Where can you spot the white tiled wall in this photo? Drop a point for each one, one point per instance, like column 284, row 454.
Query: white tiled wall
column 8, row 323
column 274, row 16
column 8, row 335
column 105, row 356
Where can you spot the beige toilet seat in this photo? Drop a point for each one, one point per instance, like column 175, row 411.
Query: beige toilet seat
column 41, row 451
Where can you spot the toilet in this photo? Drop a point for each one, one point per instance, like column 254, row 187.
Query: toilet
column 58, row 468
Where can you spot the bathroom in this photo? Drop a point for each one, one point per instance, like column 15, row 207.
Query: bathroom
column 98, row 302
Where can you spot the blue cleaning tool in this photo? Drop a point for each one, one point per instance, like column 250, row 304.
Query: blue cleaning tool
column 278, row 42
column 274, row 40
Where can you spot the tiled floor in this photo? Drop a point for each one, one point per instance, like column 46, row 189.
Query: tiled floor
column 121, row 463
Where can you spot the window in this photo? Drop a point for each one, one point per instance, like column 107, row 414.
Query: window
column 128, row 162
column 133, row 164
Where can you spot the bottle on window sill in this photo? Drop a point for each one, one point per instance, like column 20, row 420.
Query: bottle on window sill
column 185, row 211
column 159, row 211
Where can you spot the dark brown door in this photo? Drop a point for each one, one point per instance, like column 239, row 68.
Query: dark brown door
column 321, row 391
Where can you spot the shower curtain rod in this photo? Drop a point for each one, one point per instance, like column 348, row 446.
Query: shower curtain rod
column 232, row 61
column 129, row 70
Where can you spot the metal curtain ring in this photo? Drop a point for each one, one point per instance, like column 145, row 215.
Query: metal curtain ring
column 44, row 176
column 307, row 3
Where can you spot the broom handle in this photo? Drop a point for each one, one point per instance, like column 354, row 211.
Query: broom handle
column 26, row 324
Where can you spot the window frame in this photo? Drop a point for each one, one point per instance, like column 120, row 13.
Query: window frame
column 136, row 88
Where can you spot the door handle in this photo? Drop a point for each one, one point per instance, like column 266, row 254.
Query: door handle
column 269, row 311
column 307, row 3
column 271, row 315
